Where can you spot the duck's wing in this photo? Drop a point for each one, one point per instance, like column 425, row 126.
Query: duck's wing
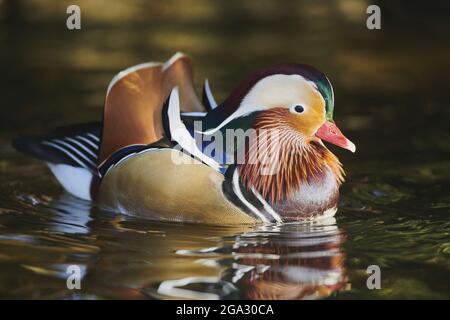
column 70, row 153
column 135, row 99
column 175, row 130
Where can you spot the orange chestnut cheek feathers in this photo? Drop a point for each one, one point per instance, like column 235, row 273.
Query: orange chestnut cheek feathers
column 330, row 132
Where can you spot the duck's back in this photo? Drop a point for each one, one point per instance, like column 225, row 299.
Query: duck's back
column 135, row 99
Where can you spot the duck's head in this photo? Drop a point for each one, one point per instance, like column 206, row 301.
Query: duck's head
column 297, row 102
column 292, row 97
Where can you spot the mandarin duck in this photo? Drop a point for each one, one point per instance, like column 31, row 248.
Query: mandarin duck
column 159, row 153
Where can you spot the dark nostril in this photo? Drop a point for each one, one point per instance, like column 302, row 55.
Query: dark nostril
column 299, row 109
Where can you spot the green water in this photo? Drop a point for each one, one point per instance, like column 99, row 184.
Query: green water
column 392, row 95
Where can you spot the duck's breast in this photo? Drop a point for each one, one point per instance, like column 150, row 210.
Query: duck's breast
column 314, row 199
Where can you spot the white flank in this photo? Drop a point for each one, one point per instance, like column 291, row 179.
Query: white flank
column 75, row 180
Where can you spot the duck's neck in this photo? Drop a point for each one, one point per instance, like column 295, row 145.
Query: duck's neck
column 294, row 176
column 285, row 174
column 291, row 167
column 306, row 183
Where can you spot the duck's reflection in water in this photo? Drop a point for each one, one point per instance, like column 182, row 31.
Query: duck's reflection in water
column 137, row 259
column 292, row 261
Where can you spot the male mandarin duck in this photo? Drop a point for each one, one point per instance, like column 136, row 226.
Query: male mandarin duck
column 158, row 151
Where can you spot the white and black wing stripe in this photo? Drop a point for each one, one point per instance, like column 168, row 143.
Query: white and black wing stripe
column 250, row 202
column 70, row 153
column 74, row 145
column 81, row 149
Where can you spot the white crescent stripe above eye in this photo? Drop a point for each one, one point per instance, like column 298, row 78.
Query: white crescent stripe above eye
column 237, row 114
column 181, row 135
column 212, row 102
column 271, row 92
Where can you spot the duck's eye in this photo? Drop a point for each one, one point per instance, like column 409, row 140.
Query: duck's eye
column 299, row 109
